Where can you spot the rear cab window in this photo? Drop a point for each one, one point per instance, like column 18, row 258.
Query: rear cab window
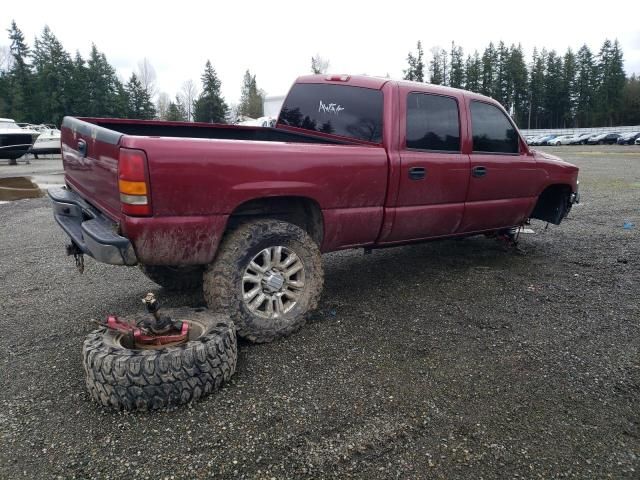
column 492, row 131
column 352, row 112
column 433, row 123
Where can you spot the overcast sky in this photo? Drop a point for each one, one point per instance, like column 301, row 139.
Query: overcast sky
column 276, row 39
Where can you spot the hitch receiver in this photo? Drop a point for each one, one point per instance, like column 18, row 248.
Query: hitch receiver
column 78, row 256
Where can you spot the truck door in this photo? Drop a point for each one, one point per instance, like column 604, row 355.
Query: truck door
column 434, row 173
column 504, row 177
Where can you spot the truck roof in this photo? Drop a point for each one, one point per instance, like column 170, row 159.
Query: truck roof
column 377, row 83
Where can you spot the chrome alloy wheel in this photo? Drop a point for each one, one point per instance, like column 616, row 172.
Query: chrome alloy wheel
column 273, row 282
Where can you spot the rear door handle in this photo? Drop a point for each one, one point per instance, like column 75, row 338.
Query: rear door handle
column 417, row 173
column 479, row 171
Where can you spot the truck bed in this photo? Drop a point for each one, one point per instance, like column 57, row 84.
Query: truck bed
column 152, row 128
column 200, row 174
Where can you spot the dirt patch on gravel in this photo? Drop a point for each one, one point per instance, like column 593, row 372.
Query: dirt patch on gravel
column 453, row 359
column 18, row 188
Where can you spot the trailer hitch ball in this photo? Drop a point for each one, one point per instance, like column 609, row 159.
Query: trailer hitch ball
column 157, row 322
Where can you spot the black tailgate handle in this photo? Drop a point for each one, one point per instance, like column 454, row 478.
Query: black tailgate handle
column 82, row 147
column 417, row 173
column 479, row 171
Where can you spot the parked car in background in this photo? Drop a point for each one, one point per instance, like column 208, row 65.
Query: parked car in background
column 541, row 139
column 604, row 138
column 637, row 141
column 546, row 139
column 628, row 138
column 561, row 140
column 580, row 139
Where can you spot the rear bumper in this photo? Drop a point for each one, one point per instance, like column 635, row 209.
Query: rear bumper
column 92, row 232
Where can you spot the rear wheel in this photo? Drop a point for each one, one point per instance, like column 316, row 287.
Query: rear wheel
column 174, row 278
column 267, row 277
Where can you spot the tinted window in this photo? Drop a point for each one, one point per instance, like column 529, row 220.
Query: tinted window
column 337, row 109
column 492, row 130
column 432, row 122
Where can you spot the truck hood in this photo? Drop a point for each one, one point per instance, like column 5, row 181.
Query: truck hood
column 549, row 159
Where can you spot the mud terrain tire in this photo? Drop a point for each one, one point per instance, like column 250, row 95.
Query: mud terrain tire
column 150, row 379
column 223, row 280
column 174, row 278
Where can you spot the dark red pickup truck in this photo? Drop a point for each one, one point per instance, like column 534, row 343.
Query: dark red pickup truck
column 353, row 161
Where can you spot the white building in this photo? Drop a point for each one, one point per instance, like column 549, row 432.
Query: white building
column 272, row 105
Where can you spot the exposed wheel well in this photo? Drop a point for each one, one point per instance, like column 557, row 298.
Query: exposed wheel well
column 553, row 204
column 301, row 211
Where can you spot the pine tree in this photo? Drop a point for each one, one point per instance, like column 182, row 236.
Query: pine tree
column 436, row 68
column 473, row 73
column 501, row 90
column 553, row 101
column 446, row 70
column 140, row 105
column 489, row 65
column 120, row 100
column 536, row 89
column 611, row 80
column 176, row 111
column 415, row 71
column 210, row 106
column 78, row 87
column 568, row 89
column 585, row 87
column 53, row 79
column 19, row 101
column 104, row 88
column 456, row 77
column 631, row 102
column 251, row 100
column 518, row 90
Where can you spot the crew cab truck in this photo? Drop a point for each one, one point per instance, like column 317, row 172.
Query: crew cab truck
column 245, row 212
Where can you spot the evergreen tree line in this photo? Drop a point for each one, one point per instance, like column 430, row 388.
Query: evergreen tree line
column 580, row 89
column 43, row 83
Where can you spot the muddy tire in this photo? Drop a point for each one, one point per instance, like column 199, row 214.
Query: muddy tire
column 242, row 274
column 174, row 278
column 148, row 379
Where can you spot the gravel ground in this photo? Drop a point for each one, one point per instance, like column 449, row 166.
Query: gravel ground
column 453, row 359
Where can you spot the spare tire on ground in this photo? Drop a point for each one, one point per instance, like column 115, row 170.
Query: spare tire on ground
column 161, row 377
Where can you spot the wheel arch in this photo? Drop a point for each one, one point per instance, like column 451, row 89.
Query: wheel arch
column 553, row 204
column 304, row 212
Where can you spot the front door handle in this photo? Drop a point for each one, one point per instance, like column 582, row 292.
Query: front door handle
column 417, row 173
column 479, row 171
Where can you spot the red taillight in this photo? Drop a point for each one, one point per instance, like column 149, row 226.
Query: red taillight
column 133, row 183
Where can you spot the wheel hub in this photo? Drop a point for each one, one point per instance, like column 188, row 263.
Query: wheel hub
column 273, row 282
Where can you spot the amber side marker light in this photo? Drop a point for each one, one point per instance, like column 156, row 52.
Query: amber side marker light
column 133, row 183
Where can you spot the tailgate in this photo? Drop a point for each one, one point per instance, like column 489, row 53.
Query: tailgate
column 90, row 159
